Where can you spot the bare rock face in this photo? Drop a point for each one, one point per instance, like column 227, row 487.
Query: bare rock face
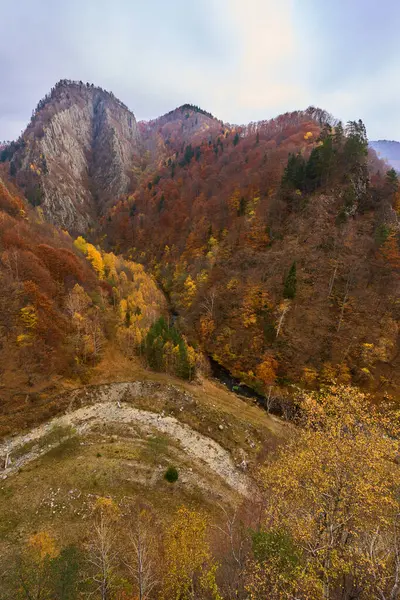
column 76, row 155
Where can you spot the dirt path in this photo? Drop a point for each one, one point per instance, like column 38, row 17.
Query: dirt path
column 83, row 419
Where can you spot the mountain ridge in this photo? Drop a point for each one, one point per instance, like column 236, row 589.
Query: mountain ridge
column 83, row 149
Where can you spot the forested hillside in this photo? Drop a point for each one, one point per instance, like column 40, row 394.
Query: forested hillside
column 270, row 248
column 277, row 244
column 62, row 304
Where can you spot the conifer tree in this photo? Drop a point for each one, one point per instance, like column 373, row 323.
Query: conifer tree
column 289, row 290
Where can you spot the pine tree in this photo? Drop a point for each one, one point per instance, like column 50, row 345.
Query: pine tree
column 289, row 289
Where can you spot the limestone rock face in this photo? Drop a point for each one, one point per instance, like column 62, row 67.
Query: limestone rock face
column 76, row 155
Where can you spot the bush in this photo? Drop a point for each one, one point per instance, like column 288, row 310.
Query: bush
column 171, row 475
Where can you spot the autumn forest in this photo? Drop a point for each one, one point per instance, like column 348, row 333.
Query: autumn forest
column 137, row 261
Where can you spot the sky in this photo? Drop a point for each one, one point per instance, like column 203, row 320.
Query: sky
column 242, row 60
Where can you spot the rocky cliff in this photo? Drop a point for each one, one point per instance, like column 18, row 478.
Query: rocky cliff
column 76, row 155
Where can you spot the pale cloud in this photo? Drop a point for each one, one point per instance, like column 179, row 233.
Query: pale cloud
column 242, row 60
column 270, row 51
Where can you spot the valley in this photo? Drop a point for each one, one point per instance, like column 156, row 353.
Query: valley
column 199, row 346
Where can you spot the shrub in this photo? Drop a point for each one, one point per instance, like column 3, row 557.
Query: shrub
column 171, row 474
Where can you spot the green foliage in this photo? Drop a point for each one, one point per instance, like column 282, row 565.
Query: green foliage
column 194, row 108
column 188, row 155
column 65, row 573
column 42, row 573
column 356, row 144
column 35, row 195
column 290, row 285
column 294, row 174
column 277, row 546
column 392, row 181
column 165, row 350
column 161, row 204
column 337, row 155
column 171, row 475
column 381, row 234
column 10, row 149
column 242, row 207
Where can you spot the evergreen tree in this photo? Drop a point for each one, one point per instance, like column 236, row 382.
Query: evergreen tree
column 294, row 174
column 356, row 145
column 313, row 170
column 338, row 135
column 188, row 155
column 392, row 181
column 289, row 289
column 161, row 204
column 162, row 341
column 65, row 573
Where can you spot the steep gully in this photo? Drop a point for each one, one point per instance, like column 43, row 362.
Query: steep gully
column 223, row 375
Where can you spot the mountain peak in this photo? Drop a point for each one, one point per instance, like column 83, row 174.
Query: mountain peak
column 76, row 154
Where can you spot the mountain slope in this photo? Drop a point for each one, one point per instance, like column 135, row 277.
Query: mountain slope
column 76, row 154
column 60, row 308
column 224, row 224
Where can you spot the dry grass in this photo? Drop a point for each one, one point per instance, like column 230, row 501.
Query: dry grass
column 56, row 492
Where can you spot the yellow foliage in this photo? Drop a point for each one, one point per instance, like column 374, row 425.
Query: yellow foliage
column 190, row 291
column 106, row 507
column 202, row 277
column 29, row 317
column 343, row 374
column 24, row 339
column 96, row 259
column 328, row 373
column 110, row 265
column 207, row 326
column 266, row 370
column 41, row 545
column 81, row 244
column 232, row 283
column 333, row 490
column 187, row 556
column 234, row 201
column 309, row 375
column 255, row 303
column 192, row 356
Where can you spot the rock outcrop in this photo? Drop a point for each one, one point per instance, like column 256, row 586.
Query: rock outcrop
column 76, row 155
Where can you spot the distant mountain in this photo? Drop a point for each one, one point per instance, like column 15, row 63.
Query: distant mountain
column 388, row 150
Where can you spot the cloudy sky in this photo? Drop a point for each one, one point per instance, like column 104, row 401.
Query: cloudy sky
column 242, row 60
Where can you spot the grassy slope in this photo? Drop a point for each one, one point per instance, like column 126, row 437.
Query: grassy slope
column 56, row 491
